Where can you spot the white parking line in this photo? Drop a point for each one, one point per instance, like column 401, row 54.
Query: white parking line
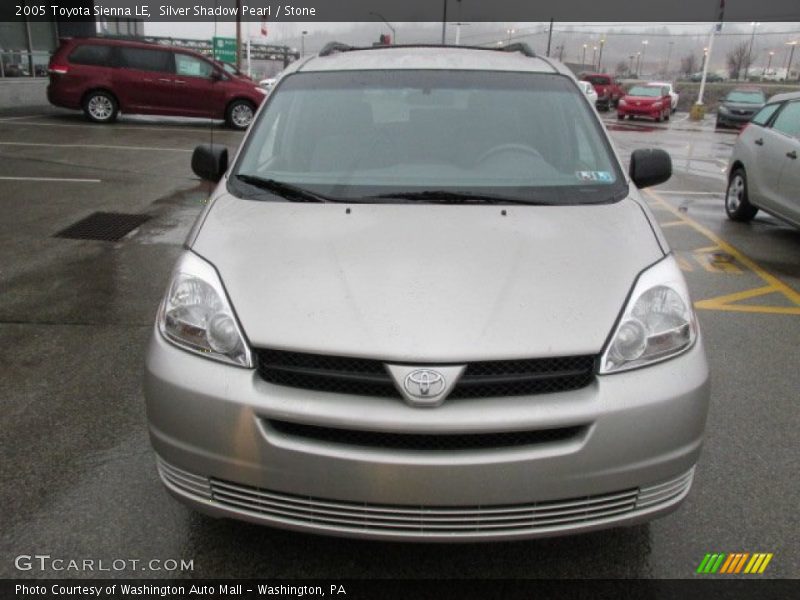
column 17, row 118
column 192, row 129
column 54, row 179
column 98, row 146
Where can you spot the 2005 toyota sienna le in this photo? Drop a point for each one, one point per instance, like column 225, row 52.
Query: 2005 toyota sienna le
column 425, row 302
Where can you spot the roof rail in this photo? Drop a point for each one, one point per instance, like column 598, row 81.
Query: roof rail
column 518, row 47
column 332, row 47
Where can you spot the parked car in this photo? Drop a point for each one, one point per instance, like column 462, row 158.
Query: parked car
column 739, row 106
column 588, row 89
column 105, row 76
column 674, row 96
column 651, row 101
column 405, row 314
column 764, row 169
column 711, row 77
column 608, row 89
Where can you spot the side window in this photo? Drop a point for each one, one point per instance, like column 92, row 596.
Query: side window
column 91, row 54
column 191, row 66
column 765, row 114
column 788, row 120
column 146, row 60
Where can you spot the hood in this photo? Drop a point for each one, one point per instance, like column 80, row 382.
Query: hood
column 742, row 106
column 643, row 99
column 433, row 283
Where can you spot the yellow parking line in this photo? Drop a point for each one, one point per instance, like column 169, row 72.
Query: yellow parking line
column 672, row 224
column 722, row 302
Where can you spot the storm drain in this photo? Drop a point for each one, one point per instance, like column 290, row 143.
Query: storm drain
column 106, row 226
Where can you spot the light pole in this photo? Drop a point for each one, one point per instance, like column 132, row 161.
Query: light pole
column 630, row 64
column 769, row 63
column 644, row 49
column 303, row 43
column 638, row 65
column 583, row 58
column 594, row 56
column 669, row 55
column 750, row 50
column 509, row 33
column 791, row 56
column 389, row 25
column 600, row 56
column 705, row 57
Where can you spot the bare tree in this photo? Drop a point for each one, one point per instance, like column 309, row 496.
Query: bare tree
column 739, row 60
column 621, row 70
column 688, row 64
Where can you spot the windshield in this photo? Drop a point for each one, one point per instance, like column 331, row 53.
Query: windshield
column 361, row 135
column 745, row 97
column 598, row 80
column 650, row 92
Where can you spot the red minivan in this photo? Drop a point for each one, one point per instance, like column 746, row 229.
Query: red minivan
column 104, row 76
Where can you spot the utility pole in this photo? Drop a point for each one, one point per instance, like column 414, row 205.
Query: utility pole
column 238, row 34
column 549, row 37
column 444, row 23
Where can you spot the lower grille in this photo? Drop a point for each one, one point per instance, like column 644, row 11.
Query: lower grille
column 425, row 442
column 368, row 377
column 360, row 517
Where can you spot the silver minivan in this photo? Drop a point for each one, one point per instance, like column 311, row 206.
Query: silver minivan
column 426, row 302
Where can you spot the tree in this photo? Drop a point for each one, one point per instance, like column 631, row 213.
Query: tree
column 739, row 60
column 621, row 70
column 688, row 64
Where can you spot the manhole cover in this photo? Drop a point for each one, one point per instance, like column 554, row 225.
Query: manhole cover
column 105, row 226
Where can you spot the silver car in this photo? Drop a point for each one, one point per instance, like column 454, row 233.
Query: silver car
column 764, row 169
column 426, row 302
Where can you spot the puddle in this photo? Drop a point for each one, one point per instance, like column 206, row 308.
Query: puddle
column 173, row 216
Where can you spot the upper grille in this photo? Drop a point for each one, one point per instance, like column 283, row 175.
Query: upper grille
column 368, row 377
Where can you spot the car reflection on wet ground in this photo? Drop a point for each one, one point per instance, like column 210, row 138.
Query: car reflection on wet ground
column 79, row 478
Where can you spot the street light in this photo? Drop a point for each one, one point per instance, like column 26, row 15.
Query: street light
column 644, row 48
column 594, row 56
column 303, row 43
column 583, row 59
column 638, row 65
column 791, row 56
column 389, row 25
column 769, row 63
column 510, row 32
column 600, row 56
column 669, row 55
column 750, row 50
column 705, row 57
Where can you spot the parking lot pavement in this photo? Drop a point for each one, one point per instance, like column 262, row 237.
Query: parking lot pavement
column 78, row 476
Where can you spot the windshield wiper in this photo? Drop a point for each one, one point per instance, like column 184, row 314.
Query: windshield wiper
column 288, row 191
column 449, row 197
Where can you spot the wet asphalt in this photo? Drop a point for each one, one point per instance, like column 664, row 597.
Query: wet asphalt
column 78, row 479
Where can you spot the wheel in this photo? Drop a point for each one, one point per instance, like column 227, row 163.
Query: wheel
column 737, row 205
column 100, row 107
column 240, row 114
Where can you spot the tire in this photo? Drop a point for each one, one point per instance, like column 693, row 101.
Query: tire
column 100, row 107
column 737, row 205
column 240, row 114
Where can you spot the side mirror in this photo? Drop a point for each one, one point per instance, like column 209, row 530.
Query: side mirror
column 210, row 161
column 217, row 75
column 650, row 167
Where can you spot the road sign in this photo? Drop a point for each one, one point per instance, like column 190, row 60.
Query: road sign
column 224, row 49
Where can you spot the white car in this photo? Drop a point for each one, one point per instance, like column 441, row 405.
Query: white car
column 588, row 89
column 672, row 93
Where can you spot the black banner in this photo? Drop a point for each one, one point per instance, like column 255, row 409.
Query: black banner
column 441, row 589
column 400, row 10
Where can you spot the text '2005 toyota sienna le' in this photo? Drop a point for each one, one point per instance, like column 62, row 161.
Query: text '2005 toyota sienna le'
column 426, row 302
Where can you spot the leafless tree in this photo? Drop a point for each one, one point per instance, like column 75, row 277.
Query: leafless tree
column 621, row 70
column 739, row 59
column 688, row 64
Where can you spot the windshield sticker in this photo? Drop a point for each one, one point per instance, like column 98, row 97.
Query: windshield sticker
column 601, row 176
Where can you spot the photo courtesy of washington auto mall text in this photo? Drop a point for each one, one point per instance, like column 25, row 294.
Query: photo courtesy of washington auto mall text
column 419, row 299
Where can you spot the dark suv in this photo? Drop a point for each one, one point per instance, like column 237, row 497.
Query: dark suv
column 103, row 77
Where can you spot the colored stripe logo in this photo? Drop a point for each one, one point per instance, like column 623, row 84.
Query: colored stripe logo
column 734, row 563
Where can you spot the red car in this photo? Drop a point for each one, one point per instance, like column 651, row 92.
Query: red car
column 608, row 89
column 103, row 77
column 651, row 101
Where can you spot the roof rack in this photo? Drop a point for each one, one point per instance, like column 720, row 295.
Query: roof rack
column 333, row 47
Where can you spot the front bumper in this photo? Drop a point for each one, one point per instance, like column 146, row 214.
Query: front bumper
column 639, row 111
column 733, row 120
column 632, row 462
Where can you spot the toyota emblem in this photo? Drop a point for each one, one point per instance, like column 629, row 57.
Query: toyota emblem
column 424, row 383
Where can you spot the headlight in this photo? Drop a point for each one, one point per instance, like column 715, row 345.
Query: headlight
column 197, row 316
column 723, row 108
column 622, row 102
column 262, row 90
column 657, row 323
